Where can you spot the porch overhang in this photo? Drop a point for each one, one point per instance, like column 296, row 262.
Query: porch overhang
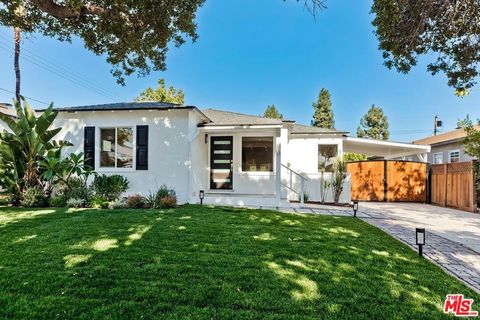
column 385, row 149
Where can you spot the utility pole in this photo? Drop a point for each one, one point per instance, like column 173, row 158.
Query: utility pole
column 436, row 124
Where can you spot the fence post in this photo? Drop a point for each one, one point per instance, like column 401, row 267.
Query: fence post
column 445, row 172
column 302, row 193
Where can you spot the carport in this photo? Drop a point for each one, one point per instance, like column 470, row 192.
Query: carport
column 388, row 177
column 385, row 149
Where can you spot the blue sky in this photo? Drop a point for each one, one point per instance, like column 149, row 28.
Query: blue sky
column 253, row 53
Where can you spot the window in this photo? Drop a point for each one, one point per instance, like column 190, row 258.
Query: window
column 257, row 154
column 454, row 156
column 116, row 148
column 438, row 158
column 327, row 154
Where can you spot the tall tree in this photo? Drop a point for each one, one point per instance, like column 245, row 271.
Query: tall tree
column 374, row 125
column 16, row 62
column 323, row 113
column 162, row 94
column 447, row 31
column 272, row 112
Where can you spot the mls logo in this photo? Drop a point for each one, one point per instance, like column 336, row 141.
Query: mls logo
column 459, row 306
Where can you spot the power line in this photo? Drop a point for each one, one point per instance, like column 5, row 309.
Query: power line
column 63, row 75
column 25, row 97
column 62, row 72
column 65, row 69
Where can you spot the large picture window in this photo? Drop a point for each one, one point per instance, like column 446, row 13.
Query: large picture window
column 327, row 154
column 257, row 154
column 116, row 148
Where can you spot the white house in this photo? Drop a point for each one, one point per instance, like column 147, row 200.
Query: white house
column 235, row 158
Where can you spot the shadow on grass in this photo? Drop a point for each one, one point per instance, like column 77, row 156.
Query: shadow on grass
column 200, row 262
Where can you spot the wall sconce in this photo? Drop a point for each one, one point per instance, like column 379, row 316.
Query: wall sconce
column 201, row 194
column 420, row 239
column 355, row 208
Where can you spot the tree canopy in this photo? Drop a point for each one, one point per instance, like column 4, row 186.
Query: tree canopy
column 374, row 125
column 272, row 112
column 471, row 142
column 134, row 35
column 323, row 113
column 162, row 94
column 448, row 31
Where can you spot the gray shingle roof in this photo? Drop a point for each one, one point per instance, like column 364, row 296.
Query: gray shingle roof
column 123, row 106
column 8, row 110
column 224, row 118
column 300, row 128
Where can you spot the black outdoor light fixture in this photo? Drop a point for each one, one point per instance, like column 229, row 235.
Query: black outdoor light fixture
column 420, row 237
column 201, row 194
column 355, row 208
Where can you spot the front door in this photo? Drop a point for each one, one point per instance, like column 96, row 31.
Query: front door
column 221, row 162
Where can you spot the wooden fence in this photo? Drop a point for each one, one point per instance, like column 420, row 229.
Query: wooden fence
column 452, row 185
column 388, row 180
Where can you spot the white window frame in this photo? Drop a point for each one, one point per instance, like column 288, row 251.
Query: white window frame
column 450, row 155
column 435, row 154
column 327, row 144
column 134, row 148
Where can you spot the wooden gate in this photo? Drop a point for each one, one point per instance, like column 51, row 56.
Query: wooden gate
column 452, row 185
column 388, row 180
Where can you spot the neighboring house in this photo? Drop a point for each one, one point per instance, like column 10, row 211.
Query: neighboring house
column 237, row 159
column 9, row 111
column 445, row 147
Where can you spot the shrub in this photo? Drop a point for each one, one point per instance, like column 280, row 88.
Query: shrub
column 78, row 190
column 164, row 191
column 168, row 202
column 151, row 201
column 99, row 202
column 34, row 197
column 75, row 203
column 136, row 201
column 110, row 187
column 57, row 201
column 117, row 204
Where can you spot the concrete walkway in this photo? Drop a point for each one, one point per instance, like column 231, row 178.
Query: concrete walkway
column 452, row 239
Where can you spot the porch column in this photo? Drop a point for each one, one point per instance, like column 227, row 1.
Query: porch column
column 278, row 169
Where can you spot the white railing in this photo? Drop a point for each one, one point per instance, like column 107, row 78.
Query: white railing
column 289, row 184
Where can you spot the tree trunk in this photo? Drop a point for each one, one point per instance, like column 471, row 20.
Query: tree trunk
column 16, row 32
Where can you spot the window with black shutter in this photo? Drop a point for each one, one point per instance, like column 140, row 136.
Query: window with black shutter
column 142, row 147
column 89, row 146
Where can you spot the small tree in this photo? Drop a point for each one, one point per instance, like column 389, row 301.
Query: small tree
column 22, row 149
column 272, row 112
column 352, row 157
column 323, row 114
column 471, row 142
column 338, row 178
column 162, row 94
column 374, row 125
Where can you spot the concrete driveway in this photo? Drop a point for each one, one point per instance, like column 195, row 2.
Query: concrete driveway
column 455, row 225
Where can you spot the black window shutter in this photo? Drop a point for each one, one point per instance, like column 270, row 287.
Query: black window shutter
column 89, row 146
column 142, row 147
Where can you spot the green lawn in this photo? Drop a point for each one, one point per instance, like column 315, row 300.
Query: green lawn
column 203, row 263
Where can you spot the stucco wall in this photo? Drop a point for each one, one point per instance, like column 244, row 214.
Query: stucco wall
column 168, row 152
column 244, row 183
column 301, row 153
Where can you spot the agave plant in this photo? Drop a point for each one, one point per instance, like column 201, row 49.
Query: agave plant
column 22, row 149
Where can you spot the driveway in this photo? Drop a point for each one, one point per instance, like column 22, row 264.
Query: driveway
column 455, row 225
column 452, row 238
